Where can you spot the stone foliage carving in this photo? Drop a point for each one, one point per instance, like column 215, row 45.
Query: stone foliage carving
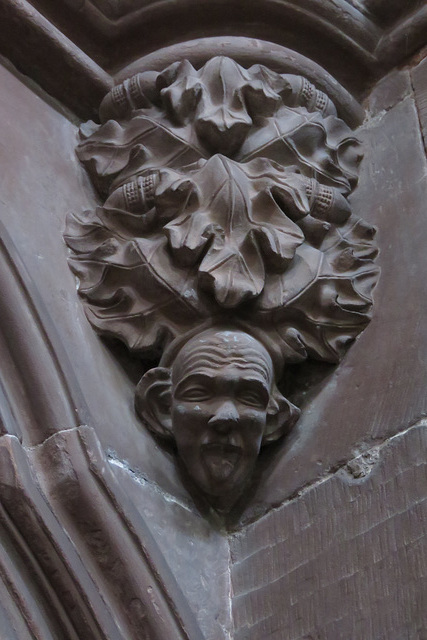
column 226, row 242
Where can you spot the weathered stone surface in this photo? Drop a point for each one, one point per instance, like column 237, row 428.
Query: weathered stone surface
column 346, row 559
column 196, row 550
column 419, row 81
column 387, row 12
column 389, row 91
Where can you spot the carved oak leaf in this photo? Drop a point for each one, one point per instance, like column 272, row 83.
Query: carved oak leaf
column 224, row 100
column 239, row 231
column 132, row 289
column 218, row 99
column 118, row 151
column 324, row 300
column 323, row 148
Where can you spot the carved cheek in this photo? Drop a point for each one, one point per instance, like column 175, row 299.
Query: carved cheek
column 253, row 422
column 190, row 417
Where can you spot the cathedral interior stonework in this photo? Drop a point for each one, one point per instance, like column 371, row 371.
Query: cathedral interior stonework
column 213, row 345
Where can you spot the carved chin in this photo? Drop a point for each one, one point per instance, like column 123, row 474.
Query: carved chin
column 220, row 463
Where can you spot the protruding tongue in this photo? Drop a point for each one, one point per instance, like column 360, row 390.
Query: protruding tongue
column 220, row 461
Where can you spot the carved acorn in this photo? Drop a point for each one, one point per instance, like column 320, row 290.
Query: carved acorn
column 155, row 197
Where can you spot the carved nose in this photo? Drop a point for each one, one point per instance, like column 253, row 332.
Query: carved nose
column 225, row 418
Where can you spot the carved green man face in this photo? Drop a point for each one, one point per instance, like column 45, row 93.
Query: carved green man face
column 220, row 404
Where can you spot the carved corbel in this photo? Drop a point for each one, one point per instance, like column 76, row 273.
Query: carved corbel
column 226, row 241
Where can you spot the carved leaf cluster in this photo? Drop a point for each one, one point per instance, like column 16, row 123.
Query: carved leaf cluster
column 325, row 299
column 226, row 199
column 149, row 287
column 133, row 290
column 221, row 108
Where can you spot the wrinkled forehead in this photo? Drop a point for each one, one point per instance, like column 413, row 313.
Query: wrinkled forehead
column 216, row 351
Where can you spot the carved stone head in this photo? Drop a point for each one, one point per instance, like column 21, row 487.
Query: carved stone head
column 219, row 402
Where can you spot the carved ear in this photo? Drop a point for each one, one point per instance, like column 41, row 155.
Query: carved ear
column 153, row 401
column 281, row 417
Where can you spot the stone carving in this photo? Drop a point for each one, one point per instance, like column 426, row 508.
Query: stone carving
column 218, row 401
column 225, row 241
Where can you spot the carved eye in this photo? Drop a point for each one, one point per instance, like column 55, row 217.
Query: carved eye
column 195, row 394
column 252, row 398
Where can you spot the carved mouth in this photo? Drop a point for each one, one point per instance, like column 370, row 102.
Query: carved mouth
column 220, row 460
